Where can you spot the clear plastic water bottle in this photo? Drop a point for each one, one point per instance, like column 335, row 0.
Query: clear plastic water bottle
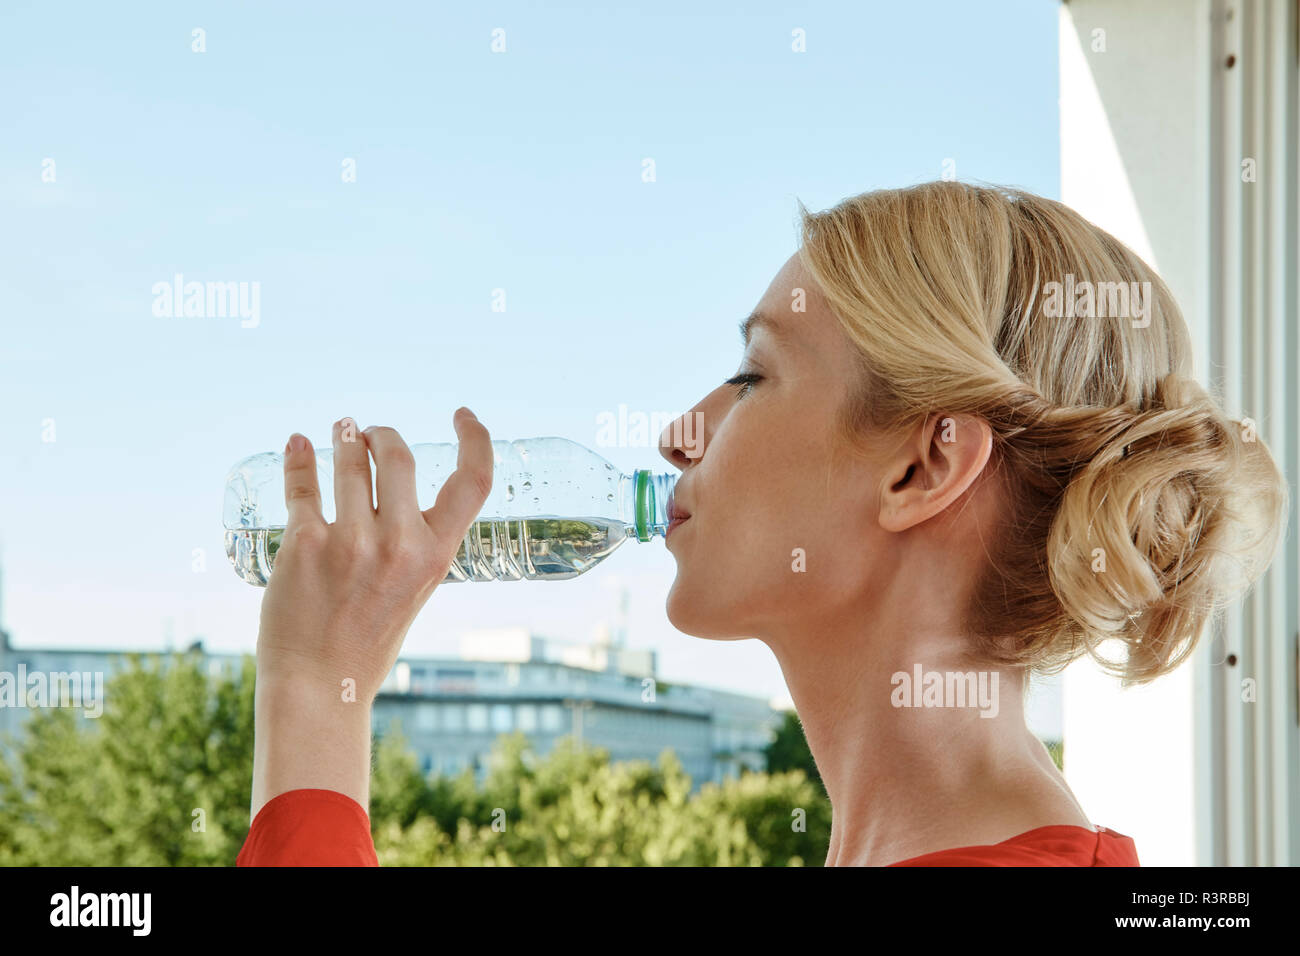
column 556, row 509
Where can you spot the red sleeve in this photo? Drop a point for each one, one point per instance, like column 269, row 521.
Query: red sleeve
column 309, row 828
column 1044, row 846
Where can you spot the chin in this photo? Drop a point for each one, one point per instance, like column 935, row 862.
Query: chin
column 699, row 615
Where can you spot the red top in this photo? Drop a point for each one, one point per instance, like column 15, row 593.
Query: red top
column 309, row 828
column 328, row 828
column 1057, row 845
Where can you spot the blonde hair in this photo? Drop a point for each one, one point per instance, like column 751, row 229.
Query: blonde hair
column 1135, row 507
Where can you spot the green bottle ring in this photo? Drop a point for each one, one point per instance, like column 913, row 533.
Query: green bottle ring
column 644, row 504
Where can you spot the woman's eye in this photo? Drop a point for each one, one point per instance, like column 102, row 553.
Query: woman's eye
column 745, row 381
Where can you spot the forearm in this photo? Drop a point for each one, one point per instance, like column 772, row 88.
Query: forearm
column 343, row 596
column 307, row 736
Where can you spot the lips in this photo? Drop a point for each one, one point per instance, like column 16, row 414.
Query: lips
column 676, row 515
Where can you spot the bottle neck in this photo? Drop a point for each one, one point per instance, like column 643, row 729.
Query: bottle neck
column 643, row 498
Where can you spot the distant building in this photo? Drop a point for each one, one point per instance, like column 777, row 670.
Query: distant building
column 451, row 710
column 82, row 669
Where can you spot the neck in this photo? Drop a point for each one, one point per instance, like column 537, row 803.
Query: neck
column 907, row 780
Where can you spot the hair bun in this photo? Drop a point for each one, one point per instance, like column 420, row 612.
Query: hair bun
column 1168, row 521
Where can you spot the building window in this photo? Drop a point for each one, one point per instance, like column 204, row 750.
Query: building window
column 426, row 717
column 477, row 716
column 552, row 719
column 526, row 718
column 501, row 722
column 453, row 673
column 453, row 718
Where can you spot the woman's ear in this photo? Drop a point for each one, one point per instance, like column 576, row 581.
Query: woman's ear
column 932, row 469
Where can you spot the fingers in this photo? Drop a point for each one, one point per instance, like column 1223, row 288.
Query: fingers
column 301, row 490
column 353, row 498
column 394, row 476
column 462, row 496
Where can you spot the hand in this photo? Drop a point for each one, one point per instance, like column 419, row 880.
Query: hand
column 343, row 595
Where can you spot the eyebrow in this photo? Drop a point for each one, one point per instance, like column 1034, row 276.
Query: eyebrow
column 757, row 319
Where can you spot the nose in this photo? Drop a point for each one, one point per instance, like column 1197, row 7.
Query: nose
column 682, row 441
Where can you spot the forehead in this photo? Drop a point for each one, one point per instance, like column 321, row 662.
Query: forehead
column 795, row 316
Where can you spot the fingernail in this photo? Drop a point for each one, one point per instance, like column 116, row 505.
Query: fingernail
column 296, row 443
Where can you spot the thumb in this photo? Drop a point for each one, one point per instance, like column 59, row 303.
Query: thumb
column 462, row 496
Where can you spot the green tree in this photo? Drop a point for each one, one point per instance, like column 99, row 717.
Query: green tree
column 123, row 789
column 789, row 750
column 161, row 778
column 575, row 808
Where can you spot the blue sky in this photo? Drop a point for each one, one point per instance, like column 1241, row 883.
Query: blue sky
column 475, row 171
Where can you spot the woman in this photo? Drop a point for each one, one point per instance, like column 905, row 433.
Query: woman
column 964, row 445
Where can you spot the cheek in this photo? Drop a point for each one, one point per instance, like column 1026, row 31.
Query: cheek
column 793, row 541
column 825, row 540
column 787, row 510
column 752, row 562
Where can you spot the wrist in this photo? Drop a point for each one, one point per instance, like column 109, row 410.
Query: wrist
column 309, row 734
column 297, row 671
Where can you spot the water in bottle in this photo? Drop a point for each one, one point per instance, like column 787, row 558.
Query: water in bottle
column 556, row 509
